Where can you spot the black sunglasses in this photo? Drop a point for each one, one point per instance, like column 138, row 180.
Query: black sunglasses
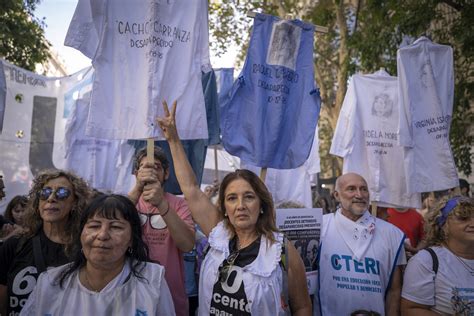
column 60, row 193
column 225, row 267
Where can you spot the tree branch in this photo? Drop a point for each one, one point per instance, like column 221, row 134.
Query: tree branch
column 456, row 6
column 356, row 15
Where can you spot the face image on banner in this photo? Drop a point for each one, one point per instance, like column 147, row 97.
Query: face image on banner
column 284, row 45
column 382, row 106
column 302, row 226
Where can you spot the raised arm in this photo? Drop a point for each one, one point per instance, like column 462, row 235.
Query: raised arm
column 205, row 214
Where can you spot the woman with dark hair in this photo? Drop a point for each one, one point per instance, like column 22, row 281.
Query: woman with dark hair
column 54, row 207
column 15, row 211
column 243, row 272
column 440, row 279
column 12, row 221
column 110, row 274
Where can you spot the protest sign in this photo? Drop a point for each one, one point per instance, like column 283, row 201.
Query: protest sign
column 302, row 226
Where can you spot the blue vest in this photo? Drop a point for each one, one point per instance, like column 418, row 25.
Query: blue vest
column 270, row 118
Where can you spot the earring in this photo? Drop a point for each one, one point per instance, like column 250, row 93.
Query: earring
column 225, row 214
column 130, row 251
column 261, row 211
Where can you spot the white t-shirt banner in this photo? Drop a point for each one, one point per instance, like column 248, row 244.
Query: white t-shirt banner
column 144, row 52
column 302, row 226
column 366, row 136
column 106, row 164
column 36, row 110
column 426, row 95
column 44, row 128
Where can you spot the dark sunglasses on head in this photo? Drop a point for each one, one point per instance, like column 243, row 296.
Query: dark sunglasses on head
column 226, row 266
column 60, row 193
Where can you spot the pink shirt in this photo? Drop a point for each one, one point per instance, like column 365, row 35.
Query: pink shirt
column 164, row 250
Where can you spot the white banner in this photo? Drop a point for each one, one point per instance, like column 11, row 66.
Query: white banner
column 36, row 111
column 302, row 226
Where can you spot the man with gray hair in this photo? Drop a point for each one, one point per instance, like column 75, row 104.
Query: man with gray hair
column 360, row 256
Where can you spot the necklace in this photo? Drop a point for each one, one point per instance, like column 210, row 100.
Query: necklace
column 465, row 265
column 89, row 285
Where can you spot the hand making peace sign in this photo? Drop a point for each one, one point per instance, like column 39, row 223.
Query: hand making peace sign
column 168, row 123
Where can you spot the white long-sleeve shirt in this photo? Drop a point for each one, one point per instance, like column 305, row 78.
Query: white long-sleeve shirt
column 426, row 90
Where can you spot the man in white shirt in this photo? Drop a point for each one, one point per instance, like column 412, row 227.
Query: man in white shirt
column 360, row 256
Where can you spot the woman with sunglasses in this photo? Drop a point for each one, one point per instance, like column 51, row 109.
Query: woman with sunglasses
column 442, row 282
column 242, row 273
column 55, row 204
column 109, row 274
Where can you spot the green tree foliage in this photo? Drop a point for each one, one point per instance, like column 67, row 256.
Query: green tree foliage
column 385, row 24
column 363, row 37
column 22, row 40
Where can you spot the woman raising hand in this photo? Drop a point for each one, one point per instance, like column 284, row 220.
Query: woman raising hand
column 241, row 274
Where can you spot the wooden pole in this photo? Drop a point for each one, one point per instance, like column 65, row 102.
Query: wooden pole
column 374, row 208
column 263, row 174
column 150, row 150
column 216, row 175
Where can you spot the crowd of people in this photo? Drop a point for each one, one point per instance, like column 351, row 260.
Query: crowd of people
column 70, row 250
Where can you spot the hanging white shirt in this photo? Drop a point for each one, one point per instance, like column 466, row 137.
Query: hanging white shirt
column 292, row 184
column 36, row 111
column 426, row 90
column 98, row 161
column 356, row 276
column 144, row 52
column 366, row 137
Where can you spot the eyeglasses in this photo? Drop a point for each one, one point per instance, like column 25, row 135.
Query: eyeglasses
column 60, row 193
column 226, row 266
column 156, row 220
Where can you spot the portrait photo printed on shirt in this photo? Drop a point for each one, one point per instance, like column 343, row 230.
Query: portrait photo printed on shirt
column 284, row 45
